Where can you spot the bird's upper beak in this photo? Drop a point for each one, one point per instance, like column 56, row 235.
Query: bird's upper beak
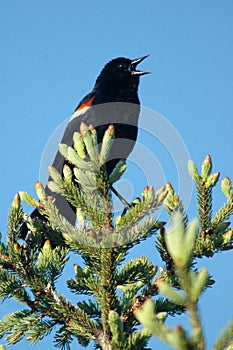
column 134, row 64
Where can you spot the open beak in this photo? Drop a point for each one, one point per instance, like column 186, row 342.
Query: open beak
column 134, row 64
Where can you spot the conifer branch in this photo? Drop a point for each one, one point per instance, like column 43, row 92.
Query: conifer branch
column 225, row 341
column 180, row 245
column 214, row 234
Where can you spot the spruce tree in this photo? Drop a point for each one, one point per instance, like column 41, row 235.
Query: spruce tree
column 115, row 295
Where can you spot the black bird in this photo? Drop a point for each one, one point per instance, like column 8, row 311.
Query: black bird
column 113, row 100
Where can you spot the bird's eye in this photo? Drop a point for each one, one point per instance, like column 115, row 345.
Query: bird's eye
column 120, row 65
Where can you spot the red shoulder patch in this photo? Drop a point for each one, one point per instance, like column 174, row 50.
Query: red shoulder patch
column 85, row 104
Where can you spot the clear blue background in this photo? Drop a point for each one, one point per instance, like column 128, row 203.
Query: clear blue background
column 51, row 53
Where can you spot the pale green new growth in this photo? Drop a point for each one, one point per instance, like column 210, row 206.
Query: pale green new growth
column 180, row 243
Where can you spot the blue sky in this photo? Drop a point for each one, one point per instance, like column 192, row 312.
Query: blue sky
column 51, row 54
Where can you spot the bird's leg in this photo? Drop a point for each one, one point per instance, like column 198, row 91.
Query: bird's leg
column 127, row 206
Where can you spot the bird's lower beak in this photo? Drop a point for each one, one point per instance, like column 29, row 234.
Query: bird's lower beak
column 134, row 64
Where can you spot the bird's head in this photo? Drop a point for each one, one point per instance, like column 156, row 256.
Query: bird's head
column 121, row 72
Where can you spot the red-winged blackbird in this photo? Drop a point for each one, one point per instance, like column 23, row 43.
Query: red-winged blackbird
column 113, row 100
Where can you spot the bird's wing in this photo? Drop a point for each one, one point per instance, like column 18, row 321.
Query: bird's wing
column 80, row 114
